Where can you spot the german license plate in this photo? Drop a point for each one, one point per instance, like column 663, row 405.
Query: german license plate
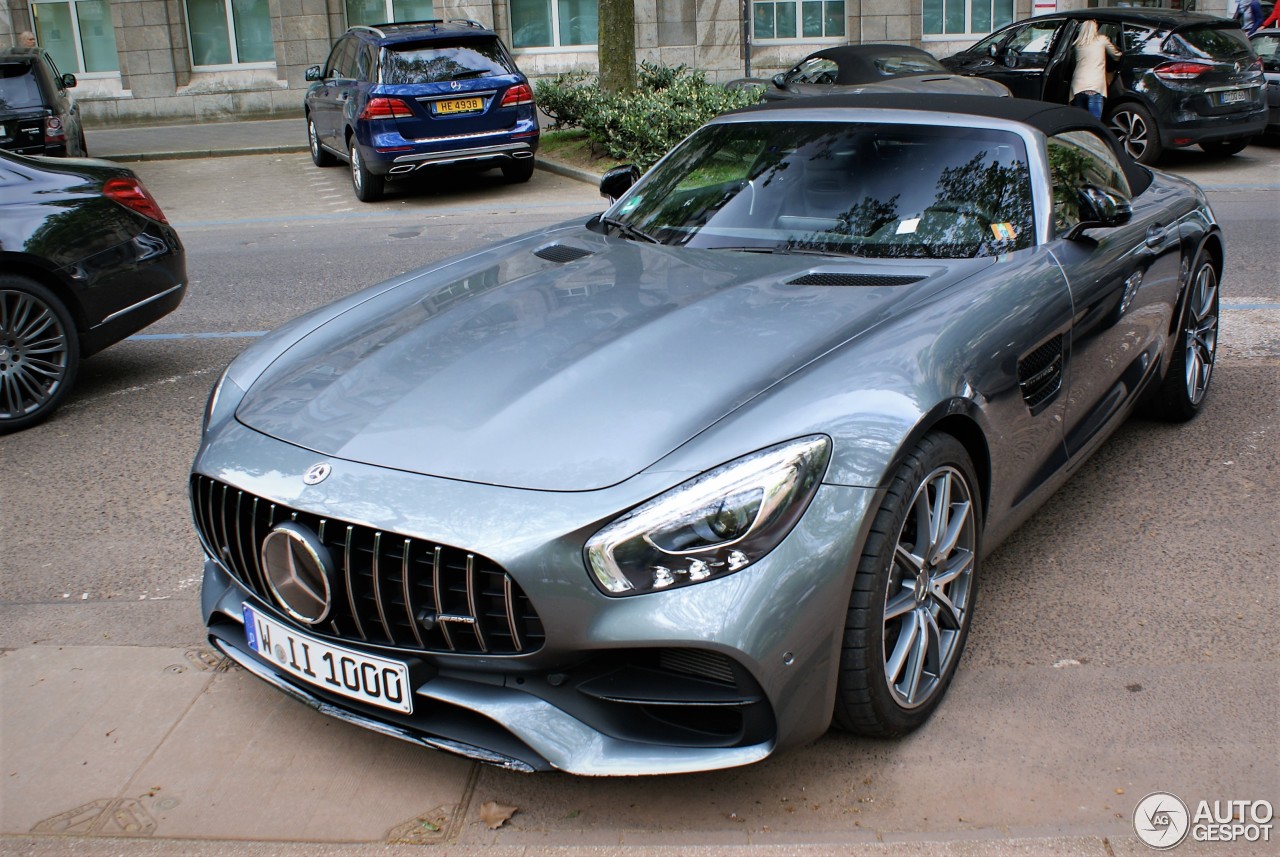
column 1235, row 96
column 459, row 105
column 362, row 677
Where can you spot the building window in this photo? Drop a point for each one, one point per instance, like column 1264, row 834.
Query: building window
column 369, row 12
column 79, row 35
column 230, row 33
column 965, row 17
column 554, row 23
column 798, row 19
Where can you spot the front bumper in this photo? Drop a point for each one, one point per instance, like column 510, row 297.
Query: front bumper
column 601, row 695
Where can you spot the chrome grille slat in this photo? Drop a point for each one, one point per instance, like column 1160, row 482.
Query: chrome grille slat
column 478, row 607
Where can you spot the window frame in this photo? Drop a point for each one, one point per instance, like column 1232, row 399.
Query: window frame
column 78, row 40
column 235, row 64
column 553, row 22
column 969, row 32
column 800, row 38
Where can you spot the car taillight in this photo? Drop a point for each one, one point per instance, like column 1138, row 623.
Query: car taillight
column 1256, row 65
column 1180, row 70
column 386, row 108
column 518, row 94
column 53, row 130
column 130, row 193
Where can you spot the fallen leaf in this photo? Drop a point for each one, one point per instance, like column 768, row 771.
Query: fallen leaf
column 430, row 825
column 1119, row 791
column 495, row 814
column 574, row 814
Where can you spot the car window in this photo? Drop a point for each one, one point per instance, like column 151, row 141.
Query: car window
column 906, row 64
column 984, row 47
column 18, row 86
column 814, row 70
column 54, row 74
column 364, row 63
column 861, row 189
column 1223, row 44
column 1268, row 48
column 1035, row 40
column 433, row 62
column 1076, row 159
column 340, row 59
column 1138, row 39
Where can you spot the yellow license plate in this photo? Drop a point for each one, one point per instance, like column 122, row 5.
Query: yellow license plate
column 459, row 105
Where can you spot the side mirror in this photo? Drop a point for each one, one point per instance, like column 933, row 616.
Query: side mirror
column 1011, row 59
column 313, row 73
column 1100, row 207
column 618, row 181
column 68, row 81
column 993, row 50
column 780, row 80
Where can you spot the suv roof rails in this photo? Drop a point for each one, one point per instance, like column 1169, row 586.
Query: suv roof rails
column 380, row 30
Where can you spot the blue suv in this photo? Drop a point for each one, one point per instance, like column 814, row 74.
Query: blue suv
column 395, row 98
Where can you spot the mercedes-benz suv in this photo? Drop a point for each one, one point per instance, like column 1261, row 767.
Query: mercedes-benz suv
column 395, row 98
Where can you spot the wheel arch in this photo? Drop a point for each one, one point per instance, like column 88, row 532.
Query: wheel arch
column 958, row 419
column 22, row 265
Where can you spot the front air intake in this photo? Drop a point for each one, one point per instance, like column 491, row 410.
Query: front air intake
column 864, row 280
column 561, row 253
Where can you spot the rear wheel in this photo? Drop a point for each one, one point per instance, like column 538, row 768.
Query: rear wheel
column 1182, row 394
column 319, row 155
column 518, row 171
column 39, row 352
column 1226, row 148
column 368, row 187
column 1136, row 129
column 913, row 594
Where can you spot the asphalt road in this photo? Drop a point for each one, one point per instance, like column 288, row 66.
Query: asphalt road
column 1124, row 642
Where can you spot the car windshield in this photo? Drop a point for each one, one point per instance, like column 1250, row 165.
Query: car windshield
column 907, row 64
column 18, row 87
column 841, row 188
column 1223, row 44
column 436, row 63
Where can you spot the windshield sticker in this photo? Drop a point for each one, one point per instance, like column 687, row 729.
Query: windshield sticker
column 1004, row 231
column 907, row 227
column 630, row 204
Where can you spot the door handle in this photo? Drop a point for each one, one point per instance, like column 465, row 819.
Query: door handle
column 1155, row 237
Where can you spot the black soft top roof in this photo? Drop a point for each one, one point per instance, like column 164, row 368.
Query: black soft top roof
column 1044, row 116
column 857, row 62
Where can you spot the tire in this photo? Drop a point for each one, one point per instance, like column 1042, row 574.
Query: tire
column 893, row 676
column 84, row 147
column 319, row 155
column 39, row 352
column 1226, row 148
column 1137, row 131
column 1182, row 393
column 518, row 172
column 367, row 186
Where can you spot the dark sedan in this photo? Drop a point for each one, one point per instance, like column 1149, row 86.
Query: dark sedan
column 678, row 486
column 883, row 68
column 86, row 259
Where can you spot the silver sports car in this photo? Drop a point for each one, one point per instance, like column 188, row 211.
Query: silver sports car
column 678, row 486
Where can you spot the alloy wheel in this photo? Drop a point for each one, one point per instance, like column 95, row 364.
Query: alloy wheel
column 356, row 171
column 1201, row 333
column 929, row 585
column 34, row 354
column 1133, row 132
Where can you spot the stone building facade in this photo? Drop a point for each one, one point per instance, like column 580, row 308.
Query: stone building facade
column 203, row 60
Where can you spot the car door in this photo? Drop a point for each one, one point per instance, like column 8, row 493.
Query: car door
column 1024, row 57
column 329, row 97
column 1123, row 281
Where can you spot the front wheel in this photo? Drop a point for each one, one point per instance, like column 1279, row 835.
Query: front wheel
column 1226, row 148
column 368, row 187
column 518, row 171
column 1182, row 393
column 39, row 352
column 913, row 593
column 1134, row 126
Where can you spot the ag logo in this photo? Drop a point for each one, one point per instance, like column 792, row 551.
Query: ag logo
column 1161, row 820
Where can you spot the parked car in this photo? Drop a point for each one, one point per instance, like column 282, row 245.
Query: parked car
column 1184, row 79
column 1266, row 43
column 670, row 488
column 38, row 116
column 395, row 98
column 86, row 259
column 852, row 68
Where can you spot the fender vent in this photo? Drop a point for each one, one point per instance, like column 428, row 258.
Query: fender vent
column 1040, row 373
column 853, row 280
column 560, row 253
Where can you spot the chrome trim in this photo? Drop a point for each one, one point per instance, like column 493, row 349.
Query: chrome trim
column 462, row 154
column 142, row 303
column 508, row 597
column 408, row 596
column 471, row 603
column 1233, row 87
column 454, row 96
column 351, row 591
column 435, row 590
column 377, row 587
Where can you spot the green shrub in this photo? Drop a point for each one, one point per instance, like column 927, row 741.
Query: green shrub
column 669, row 103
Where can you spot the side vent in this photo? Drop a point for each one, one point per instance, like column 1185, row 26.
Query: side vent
column 560, row 253
column 1040, row 373
column 819, row 279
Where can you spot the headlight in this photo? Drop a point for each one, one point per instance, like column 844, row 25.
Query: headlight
column 713, row 525
column 225, row 394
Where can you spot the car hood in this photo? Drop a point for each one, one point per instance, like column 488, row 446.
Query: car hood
column 518, row 368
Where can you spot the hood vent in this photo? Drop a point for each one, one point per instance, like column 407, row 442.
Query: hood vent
column 560, row 253
column 1040, row 374
column 820, row 279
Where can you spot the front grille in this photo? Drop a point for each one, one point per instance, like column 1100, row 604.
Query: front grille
column 835, row 279
column 389, row 590
column 1040, row 373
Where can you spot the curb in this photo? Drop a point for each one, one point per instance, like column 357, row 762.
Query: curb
column 560, row 169
column 133, row 157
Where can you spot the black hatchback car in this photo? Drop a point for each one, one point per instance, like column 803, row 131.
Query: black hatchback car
column 1184, row 79
column 395, row 98
column 86, row 259
column 38, row 116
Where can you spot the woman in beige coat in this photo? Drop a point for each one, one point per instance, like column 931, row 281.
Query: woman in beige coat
column 1089, row 80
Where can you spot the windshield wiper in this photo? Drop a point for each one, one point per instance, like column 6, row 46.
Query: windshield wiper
column 790, row 251
column 468, row 72
column 628, row 230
